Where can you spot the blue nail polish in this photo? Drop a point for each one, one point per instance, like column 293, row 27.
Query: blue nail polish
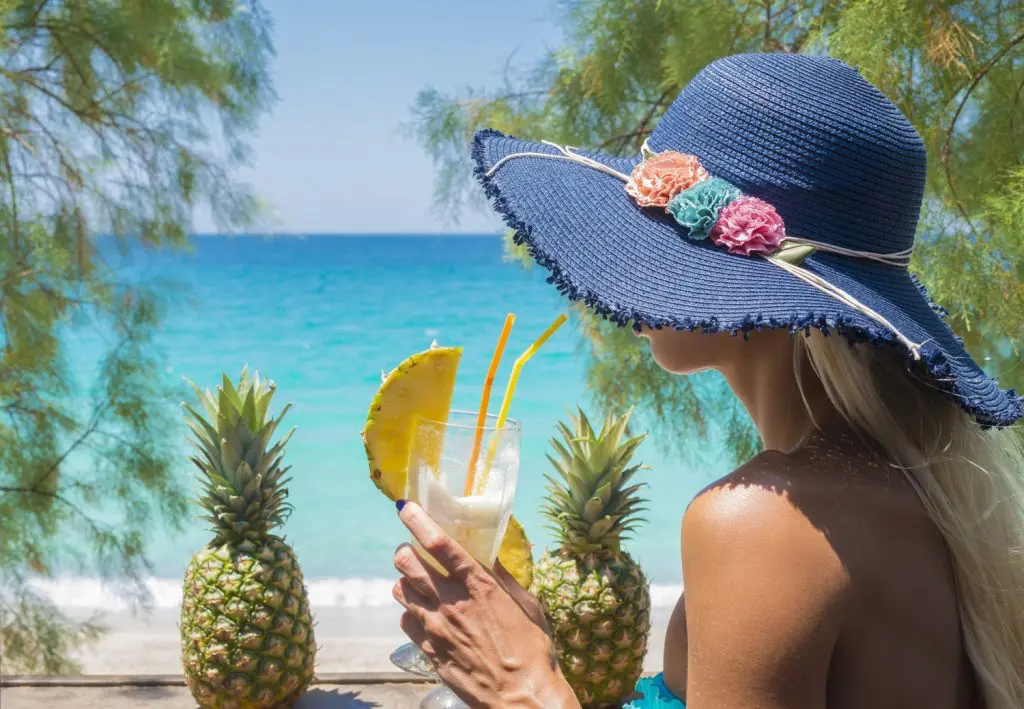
column 400, row 504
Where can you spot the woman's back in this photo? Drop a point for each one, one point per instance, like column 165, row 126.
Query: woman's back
column 900, row 643
column 855, row 532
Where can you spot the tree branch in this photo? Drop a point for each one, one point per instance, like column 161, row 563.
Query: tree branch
column 504, row 97
column 55, row 467
column 55, row 28
column 740, row 26
column 947, row 144
column 642, row 128
column 96, row 528
column 623, row 138
column 31, row 21
column 1016, row 100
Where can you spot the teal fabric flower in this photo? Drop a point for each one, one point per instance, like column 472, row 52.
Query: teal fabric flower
column 697, row 208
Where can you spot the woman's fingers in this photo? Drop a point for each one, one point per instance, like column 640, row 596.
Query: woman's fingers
column 411, row 599
column 413, row 567
column 509, row 583
column 429, row 631
column 414, row 630
column 521, row 596
column 445, row 550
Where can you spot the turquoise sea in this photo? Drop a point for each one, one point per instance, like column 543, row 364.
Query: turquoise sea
column 322, row 316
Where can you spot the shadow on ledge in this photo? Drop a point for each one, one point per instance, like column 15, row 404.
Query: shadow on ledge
column 147, row 694
column 334, row 699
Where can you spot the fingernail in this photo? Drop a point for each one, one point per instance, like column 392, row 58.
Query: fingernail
column 400, row 504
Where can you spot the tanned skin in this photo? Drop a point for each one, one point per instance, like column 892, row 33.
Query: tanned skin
column 814, row 577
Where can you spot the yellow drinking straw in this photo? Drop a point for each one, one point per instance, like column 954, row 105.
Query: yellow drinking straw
column 492, row 450
column 485, row 399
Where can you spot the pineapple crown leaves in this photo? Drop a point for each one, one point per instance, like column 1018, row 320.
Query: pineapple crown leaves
column 591, row 502
column 243, row 486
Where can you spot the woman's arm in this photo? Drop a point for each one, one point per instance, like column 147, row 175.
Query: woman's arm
column 484, row 643
column 675, row 659
column 763, row 601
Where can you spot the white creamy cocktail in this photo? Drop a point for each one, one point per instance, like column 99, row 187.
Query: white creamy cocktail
column 464, row 477
column 472, row 509
column 476, row 522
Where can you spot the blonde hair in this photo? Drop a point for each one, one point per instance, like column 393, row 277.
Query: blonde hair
column 970, row 480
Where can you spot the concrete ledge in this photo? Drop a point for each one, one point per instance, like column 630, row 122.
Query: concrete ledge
column 168, row 692
column 335, row 678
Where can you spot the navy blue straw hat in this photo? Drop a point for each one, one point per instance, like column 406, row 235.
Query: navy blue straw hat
column 794, row 188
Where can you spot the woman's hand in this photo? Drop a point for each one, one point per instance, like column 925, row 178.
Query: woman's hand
column 485, row 634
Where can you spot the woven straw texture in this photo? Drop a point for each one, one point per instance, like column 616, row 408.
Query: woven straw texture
column 838, row 161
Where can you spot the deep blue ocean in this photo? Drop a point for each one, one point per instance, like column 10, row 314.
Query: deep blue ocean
column 322, row 316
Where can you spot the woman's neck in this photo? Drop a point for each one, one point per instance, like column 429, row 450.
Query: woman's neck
column 763, row 377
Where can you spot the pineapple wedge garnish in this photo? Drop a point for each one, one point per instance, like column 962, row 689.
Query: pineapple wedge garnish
column 516, row 553
column 420, row 386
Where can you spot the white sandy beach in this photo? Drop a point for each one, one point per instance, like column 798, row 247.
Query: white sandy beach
column 350, row 640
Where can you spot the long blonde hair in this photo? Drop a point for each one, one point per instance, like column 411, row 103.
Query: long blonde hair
column 970, row 480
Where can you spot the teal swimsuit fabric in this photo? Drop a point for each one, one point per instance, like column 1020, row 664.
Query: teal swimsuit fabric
column 655, row 695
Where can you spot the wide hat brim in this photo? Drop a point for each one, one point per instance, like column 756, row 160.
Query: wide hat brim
column 635, row 265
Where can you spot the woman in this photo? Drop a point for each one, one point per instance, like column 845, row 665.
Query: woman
column 871, row 556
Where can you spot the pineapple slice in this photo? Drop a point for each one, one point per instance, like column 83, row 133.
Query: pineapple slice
column 516, row 553
column 421, row 386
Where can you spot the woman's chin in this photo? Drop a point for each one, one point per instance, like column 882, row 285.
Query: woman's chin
column 680, row 352
column 683, row 369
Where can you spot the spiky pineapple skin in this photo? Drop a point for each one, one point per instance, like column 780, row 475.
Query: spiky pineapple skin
column 246, row 628
column 599, row 609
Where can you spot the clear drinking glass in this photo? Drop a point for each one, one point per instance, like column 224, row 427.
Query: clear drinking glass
column 438, row 474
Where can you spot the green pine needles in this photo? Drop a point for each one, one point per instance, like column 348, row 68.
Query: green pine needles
column 120, row 118
column 953, row 68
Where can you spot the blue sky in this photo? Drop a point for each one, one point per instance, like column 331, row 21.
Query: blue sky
column 330, row 156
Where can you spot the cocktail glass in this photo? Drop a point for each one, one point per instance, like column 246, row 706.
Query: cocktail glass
column 437, row 481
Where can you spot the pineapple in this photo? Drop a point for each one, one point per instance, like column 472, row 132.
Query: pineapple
column 516, row 553
column 422, row 386
column 595, row 596
column 246, row 629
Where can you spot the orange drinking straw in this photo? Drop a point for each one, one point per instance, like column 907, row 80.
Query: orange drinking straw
column 511, row 388
column 485, row 399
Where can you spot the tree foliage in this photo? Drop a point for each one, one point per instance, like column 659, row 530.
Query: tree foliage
column 955, row 68
column 118, row 119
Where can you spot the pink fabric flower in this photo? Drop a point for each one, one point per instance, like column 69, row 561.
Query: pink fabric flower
column 748, row 225
column 659, row 178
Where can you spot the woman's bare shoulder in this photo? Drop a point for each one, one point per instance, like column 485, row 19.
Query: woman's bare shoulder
column 797, row 493
column 776, row 506
column 765, row 590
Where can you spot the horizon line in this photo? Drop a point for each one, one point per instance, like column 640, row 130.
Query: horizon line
column 346, row 233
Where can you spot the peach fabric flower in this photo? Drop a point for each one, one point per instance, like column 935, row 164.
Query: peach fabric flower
column 748, row 225
column 659, row 178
